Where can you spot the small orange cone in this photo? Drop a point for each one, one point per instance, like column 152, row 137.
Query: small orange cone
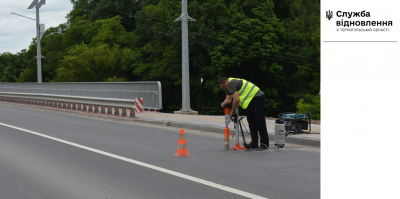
column 182, row 148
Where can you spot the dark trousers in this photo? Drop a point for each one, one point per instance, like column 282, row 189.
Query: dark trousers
column 256, row 119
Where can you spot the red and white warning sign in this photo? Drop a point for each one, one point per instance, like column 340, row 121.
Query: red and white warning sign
column 138, row 105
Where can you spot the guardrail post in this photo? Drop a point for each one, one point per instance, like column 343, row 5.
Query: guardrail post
column 96, row 108
column 116, row 110
column 84, row 107
column 73, row 104
column 103, row 109
column 90, row 108
column 109, row 111
column 131, row 112
column 123, row 112
column 79, row 107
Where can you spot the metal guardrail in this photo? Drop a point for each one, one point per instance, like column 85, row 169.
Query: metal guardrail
column 89, row 104
column 150, row 91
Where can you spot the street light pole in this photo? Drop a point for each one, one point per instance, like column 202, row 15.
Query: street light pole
column 38, row 31
column 39, row 55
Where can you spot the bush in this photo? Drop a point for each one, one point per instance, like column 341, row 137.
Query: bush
column 310, row 103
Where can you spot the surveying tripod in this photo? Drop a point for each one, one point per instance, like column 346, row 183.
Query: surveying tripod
column 237, row 125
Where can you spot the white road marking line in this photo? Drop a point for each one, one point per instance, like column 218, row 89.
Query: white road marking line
column 181, row 175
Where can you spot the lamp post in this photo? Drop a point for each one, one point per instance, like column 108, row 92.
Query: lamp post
column 39, row 56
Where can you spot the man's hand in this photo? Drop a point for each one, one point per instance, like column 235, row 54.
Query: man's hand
column 226, row 101
column 230, row 115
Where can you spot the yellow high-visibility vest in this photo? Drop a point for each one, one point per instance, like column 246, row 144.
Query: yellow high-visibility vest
column 246, row 93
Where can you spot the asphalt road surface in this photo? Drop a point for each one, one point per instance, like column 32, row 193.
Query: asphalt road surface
column 51, row 154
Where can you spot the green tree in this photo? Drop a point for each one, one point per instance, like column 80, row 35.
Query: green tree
column 11, row 66
column 301, row 19
column 84, row 64
column 310, row 104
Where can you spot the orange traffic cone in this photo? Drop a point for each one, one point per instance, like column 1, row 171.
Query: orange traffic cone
column 182, row 148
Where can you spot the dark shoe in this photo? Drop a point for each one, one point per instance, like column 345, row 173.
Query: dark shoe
column 250, row 147
column 263, row 146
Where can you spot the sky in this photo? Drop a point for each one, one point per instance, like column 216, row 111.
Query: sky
column 16, row 33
